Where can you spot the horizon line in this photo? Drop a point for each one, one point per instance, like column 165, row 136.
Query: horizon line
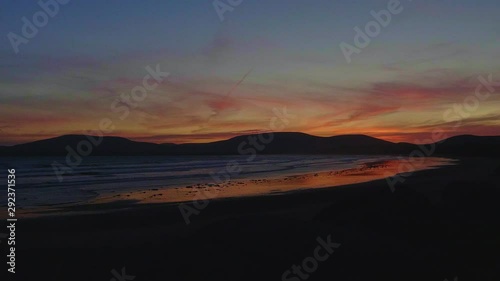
column 243, row 135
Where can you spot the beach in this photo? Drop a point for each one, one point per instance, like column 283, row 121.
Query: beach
column 438, row 223
column 277, row 181
column 275, row 185
column 250, row 140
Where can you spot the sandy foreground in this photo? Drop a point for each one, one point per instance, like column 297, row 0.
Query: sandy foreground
column 271, row 186
column 438, row 224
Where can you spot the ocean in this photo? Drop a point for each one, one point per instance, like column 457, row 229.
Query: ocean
column 37, row 184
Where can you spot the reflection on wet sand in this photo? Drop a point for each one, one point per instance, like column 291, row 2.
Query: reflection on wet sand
column 275, row 185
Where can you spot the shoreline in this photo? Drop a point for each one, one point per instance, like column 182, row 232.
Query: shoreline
column 241, row 188
column 364, row 172
column 437, row 223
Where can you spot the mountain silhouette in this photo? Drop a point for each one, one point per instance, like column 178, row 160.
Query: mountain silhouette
column 469, row 145
column 275, row 143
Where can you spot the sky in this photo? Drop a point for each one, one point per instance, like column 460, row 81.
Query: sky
column 231, row 70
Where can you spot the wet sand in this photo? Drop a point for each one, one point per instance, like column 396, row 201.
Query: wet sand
column 438, row 224
column 273, row 186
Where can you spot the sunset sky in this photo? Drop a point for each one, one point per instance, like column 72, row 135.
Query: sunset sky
column 226, row 77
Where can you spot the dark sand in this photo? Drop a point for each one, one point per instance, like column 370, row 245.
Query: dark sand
column 438, row 224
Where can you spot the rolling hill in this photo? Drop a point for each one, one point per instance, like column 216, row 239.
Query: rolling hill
column 276, row 143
